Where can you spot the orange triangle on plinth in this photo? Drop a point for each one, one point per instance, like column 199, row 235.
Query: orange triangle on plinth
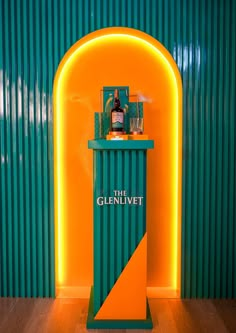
column 127, row 298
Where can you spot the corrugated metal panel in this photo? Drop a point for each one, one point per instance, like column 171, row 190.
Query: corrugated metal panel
column 34, row 35
column 26, row 215
column 208, row 236
column 118, row 229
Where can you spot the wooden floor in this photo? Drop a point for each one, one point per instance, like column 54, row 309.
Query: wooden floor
column 69, row 316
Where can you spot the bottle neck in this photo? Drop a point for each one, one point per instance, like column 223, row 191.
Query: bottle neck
column 117, row 103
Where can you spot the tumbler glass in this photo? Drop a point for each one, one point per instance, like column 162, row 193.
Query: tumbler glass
column 136, row 125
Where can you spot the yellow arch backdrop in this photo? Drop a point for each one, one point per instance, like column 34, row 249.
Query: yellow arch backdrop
column 116, row 57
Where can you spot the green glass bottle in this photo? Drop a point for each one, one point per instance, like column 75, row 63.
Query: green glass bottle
column 117, row 115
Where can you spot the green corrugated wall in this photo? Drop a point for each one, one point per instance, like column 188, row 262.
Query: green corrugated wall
column 34, row 36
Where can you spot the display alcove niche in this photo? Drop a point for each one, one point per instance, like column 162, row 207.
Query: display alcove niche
column 116, row 57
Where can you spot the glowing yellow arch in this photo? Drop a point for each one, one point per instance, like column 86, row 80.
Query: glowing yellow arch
column 103, row 39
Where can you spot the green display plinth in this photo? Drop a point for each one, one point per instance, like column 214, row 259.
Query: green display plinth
column 119, row 292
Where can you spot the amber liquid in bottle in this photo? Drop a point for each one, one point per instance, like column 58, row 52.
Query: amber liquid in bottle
column 117, row 115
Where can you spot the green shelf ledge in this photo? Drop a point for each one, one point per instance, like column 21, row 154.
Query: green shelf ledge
column 102, row 144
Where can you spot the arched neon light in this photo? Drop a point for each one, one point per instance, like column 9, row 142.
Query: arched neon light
column 152, row 46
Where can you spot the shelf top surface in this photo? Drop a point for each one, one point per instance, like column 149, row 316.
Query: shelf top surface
column 102, row 144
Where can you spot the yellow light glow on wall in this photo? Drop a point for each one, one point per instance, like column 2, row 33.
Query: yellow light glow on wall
column 77, row 52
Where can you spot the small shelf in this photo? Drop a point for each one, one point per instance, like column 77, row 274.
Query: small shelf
column 102, row 144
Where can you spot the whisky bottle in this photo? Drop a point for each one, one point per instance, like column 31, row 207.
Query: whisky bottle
column 117, row 115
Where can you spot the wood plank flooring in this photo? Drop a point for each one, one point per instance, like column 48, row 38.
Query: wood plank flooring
column 21, row 315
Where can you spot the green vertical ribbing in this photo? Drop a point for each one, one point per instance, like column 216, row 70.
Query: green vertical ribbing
column 179, row 58
column 219, row 164
column 231, row 46
column 38, row 154
column 148, row 19
column 133, row 188
column 225, row 155
column 119, row 214
column 1, row 155
column 219, row 161
column 144, row 192
column 86, row 17
column 207, row 162
column 44, row 154
column 213, row 177
column 3, row 203
column 151, row 18
column 188, row 200
column 32, row 122
column 145, row 199
column 129, row 14
column 98, row 264
column 127, row 218
column 104, row 15
column 97, row 14
column 67, row 7
column 160, row 23
column 61, row 27
column 74, row 18
column 50, row 162
column 20, row 117
column 116, row 9
column 55, row 32
column 9, row 291
column 112, row 251
column 105, row 223
column 111, row 18
column 195, row 83
column 200, row 145
column 80, row 18
column 14, row 149
column 141, row 14
column 140, row 191
column 166, row 16
column 26, row 163
column 92, row 15
column 135, row 7
column 123, row 18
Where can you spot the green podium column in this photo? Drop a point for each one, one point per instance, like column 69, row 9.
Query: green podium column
column 119, row 234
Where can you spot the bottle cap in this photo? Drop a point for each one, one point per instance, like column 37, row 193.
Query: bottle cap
column 116, row 93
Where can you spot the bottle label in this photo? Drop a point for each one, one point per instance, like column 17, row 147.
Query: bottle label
column 117, row 120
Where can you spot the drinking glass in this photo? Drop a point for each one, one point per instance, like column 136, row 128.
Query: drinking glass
column 136, row 125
